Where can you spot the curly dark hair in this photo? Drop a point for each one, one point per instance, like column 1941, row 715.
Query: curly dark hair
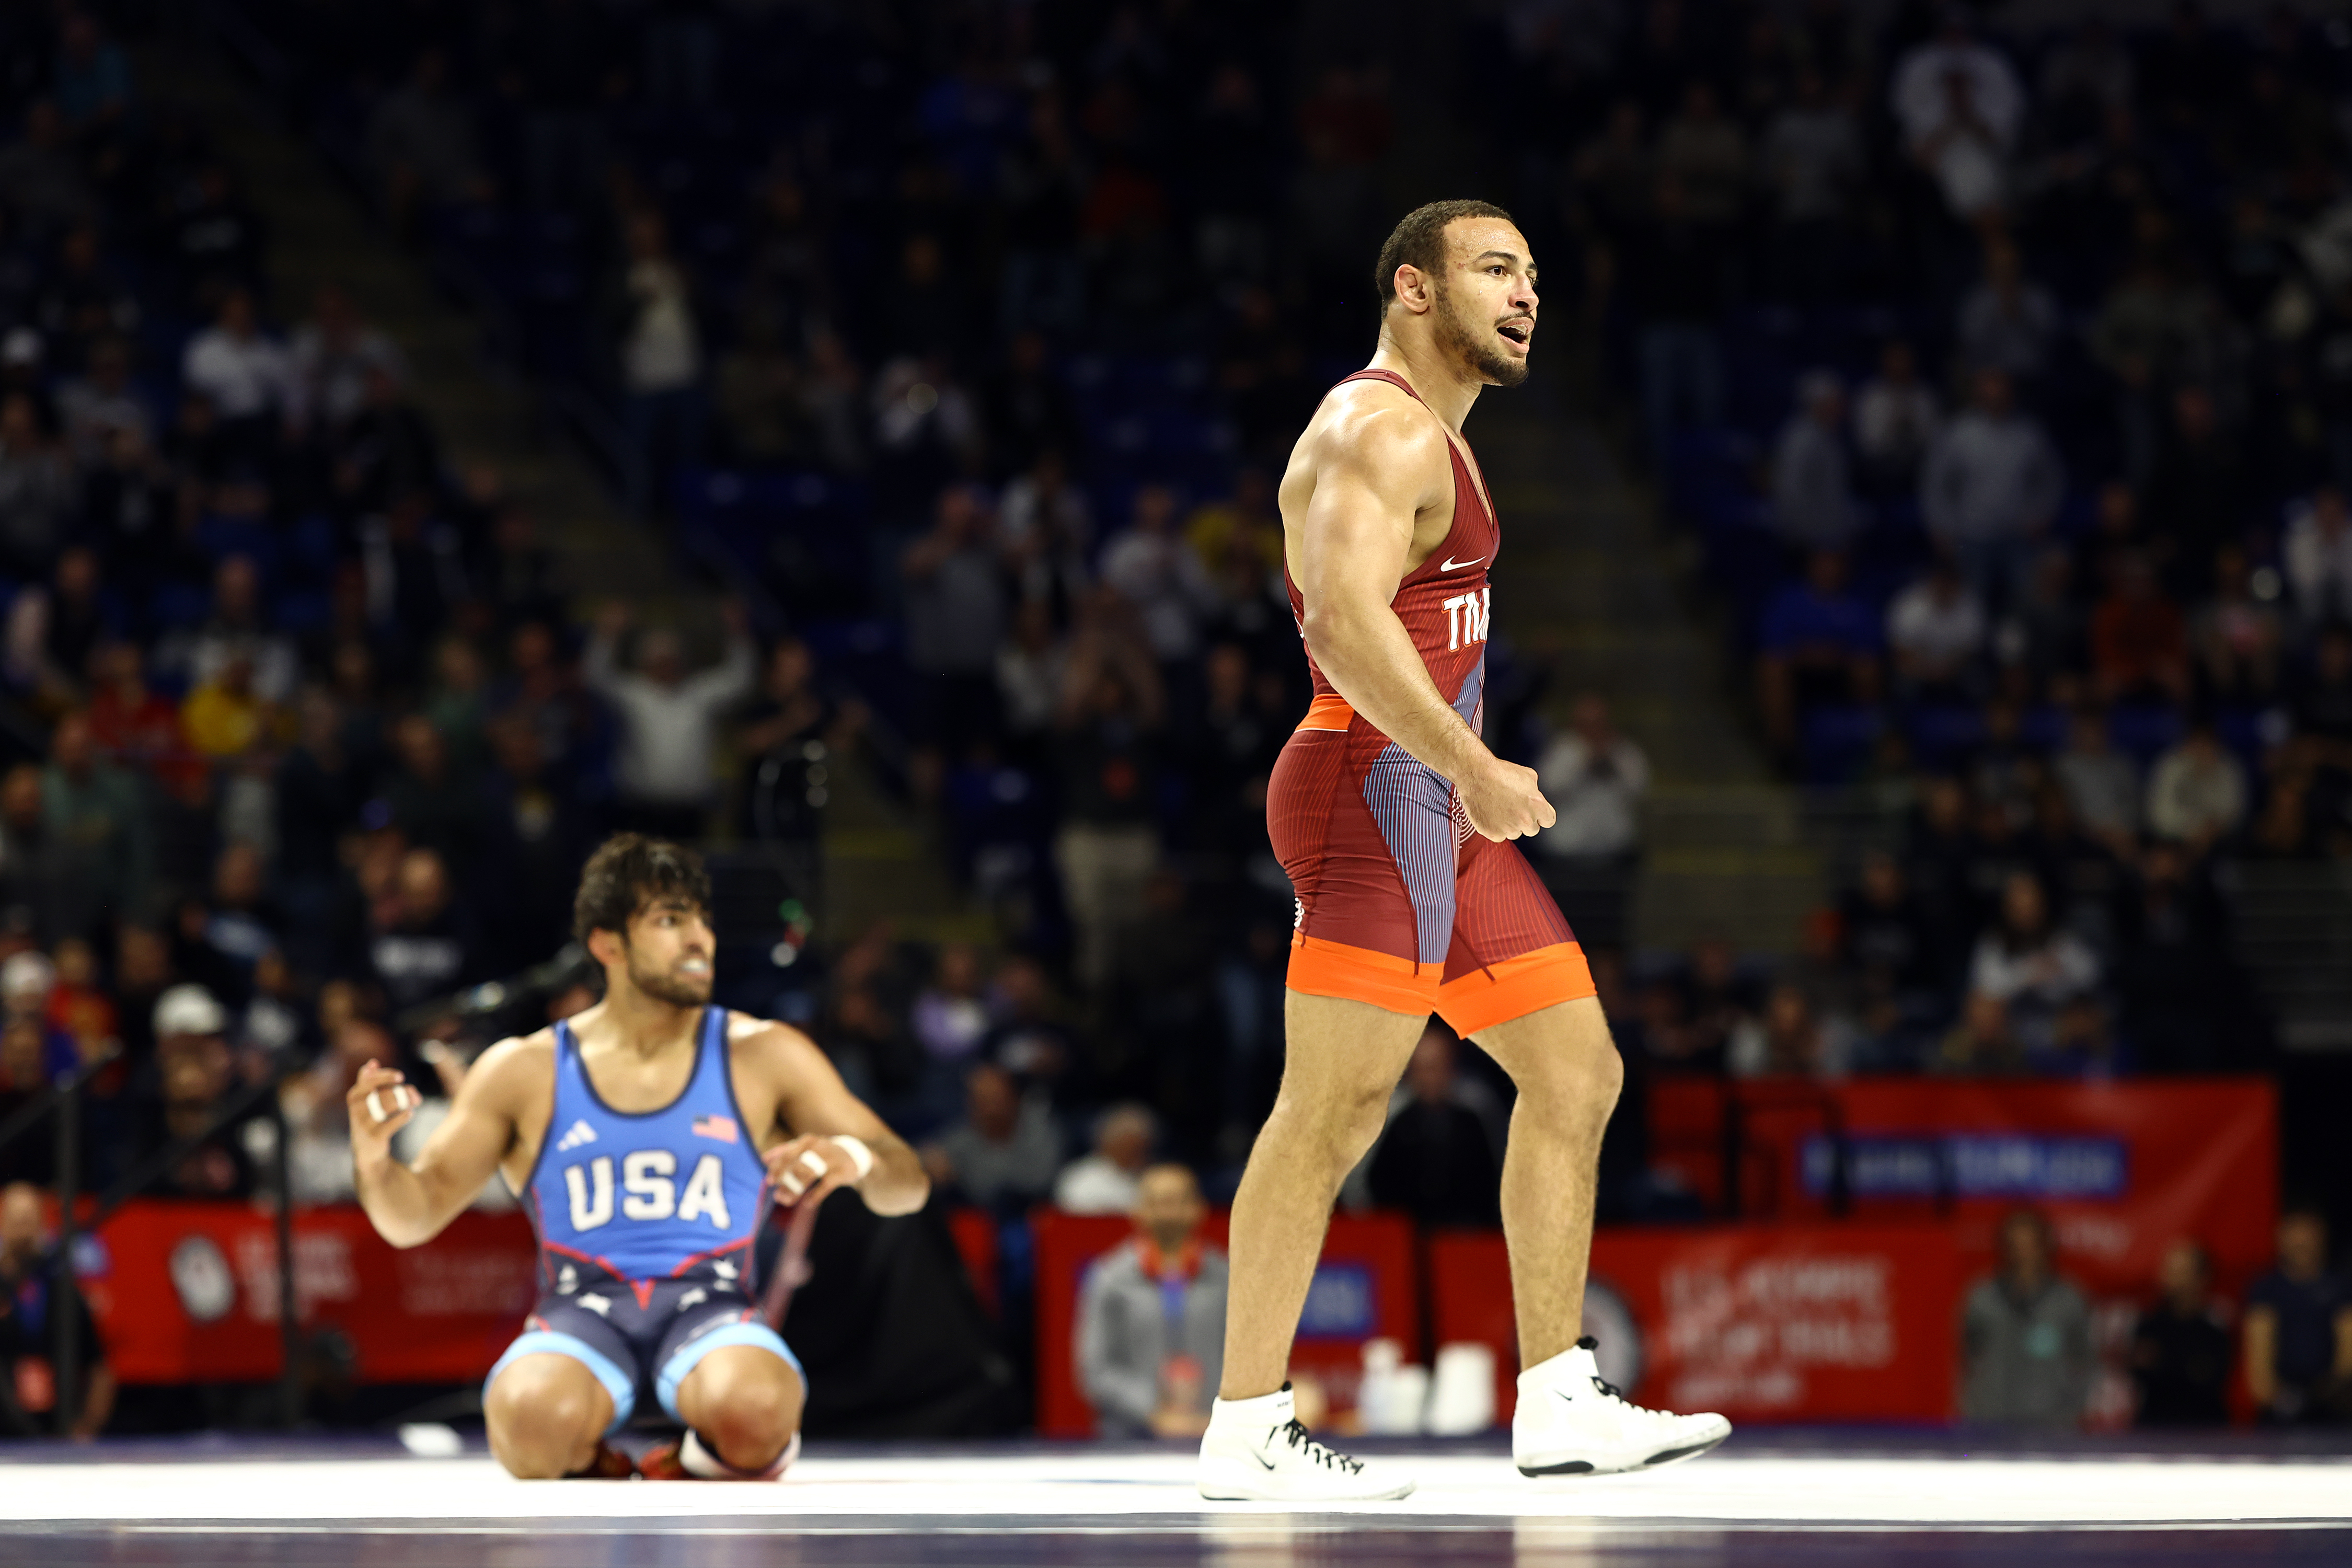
column 1419, row 240
column 630, row 871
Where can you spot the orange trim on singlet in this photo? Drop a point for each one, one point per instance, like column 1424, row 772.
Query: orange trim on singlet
column 1515, row 987
column 1319, row 967
column 1328, row 712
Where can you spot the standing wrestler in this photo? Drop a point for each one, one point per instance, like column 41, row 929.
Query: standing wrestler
column 646, row 1135
column 1395, row 823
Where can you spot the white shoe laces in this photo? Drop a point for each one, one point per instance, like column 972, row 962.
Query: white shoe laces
column 1627, row 1408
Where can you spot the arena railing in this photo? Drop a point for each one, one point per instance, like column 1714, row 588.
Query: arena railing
column 1739, row 1098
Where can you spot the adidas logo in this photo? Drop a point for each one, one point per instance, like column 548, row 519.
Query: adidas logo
column 578, row 1133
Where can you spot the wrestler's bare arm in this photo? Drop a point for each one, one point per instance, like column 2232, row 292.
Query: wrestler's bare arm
column 409, row 1205
column 812, row 1102
column 1374, row 465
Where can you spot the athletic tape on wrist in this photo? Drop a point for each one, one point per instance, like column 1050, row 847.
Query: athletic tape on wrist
column 859, row 1154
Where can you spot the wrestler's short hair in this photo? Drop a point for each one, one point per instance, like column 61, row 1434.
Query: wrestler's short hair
column 629, row 872
column 1419, row 240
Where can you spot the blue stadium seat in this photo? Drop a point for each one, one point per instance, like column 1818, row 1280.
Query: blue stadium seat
column 176, row 606
column 1943, row 735
column 2145, row 729
column 2043, row 727
column 1834, row 741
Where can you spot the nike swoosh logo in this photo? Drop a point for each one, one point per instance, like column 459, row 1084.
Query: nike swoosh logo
column 1452, row 565
column 1262, row 1459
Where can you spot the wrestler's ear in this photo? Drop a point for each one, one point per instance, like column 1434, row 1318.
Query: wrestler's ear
column 608, row 946
column 1415, row 289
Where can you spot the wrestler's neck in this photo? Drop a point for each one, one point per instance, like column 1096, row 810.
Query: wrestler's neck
column 628, row 1022
column 1447, row 384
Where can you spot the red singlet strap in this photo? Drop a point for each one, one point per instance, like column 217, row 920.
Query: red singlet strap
column 1391, row 377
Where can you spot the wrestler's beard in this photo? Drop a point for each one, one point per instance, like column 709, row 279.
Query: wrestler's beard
column 1472, row 344
column 675, row 990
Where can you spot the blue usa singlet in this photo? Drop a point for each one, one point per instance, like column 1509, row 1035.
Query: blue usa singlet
column 651, row 1195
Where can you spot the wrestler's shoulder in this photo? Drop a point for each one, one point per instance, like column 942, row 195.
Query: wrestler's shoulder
column 1371, row 422
column 516, row 1056
column 767, row 1040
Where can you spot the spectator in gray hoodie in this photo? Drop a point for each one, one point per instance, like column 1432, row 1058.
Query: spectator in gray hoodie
column 1151, row 1318
column 2025, row 1335
column 1004, row 1153
column 1812, row 485
column 1990, row 486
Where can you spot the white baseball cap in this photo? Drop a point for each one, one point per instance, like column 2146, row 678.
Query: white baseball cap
column 28, row 974
column 189, row 1010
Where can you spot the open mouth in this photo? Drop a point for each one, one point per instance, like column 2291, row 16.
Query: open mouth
column 1517, row 331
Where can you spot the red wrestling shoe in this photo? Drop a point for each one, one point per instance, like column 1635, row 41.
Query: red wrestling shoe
column 609, row 1465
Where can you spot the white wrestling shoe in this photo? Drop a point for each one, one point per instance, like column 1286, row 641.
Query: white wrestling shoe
column 689, row 1459
column 1255, row 1451
column 1570, row 1422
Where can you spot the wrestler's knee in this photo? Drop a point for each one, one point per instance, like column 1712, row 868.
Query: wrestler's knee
column 545, row 1413
column 1561, row 1059
column 1333, row 1126
column 746, row 1402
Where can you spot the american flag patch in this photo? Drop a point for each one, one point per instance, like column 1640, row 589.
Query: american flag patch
column 719, row 1127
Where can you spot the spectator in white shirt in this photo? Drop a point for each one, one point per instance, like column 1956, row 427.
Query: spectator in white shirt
column 1595, row 778
column 1029, row 674
column 1107, row 1180
column 2318, row 555
column 246, row 373
column 332, row 357
column 1992, row 485
column 1960, row 106
column 2196, row 790
column 1813, row 488
column 2034, row 968
column 1155, row 570
column 1048, row 529
column 237, row 630
column 1935, row 628
column 96, row 405
column 661, row 359
column 668, row 719
column 1896, row 418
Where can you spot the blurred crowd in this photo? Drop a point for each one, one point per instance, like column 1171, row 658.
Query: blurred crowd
column 293, row 734
column 2000, row 378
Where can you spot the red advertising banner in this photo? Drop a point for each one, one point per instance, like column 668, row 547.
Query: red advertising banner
column 1802, row 1318
column 2122, row 1169
column 1844, row 1323
column 188, row 1292
column 1365, row 1288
